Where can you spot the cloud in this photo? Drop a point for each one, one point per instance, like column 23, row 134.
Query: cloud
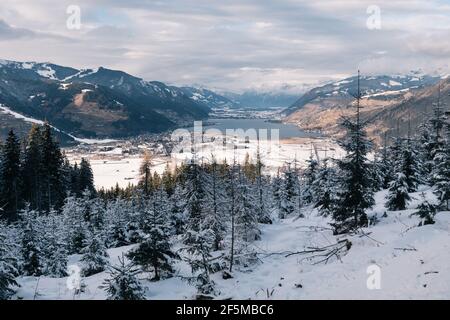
column 8, row 32
column 231, row 45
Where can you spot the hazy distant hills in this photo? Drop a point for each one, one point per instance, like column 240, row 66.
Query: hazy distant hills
column 261, row 100
column 388, row 101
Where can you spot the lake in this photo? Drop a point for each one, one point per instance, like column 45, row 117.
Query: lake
column 285, row 130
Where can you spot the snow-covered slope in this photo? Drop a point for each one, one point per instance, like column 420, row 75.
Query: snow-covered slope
column 414, row 263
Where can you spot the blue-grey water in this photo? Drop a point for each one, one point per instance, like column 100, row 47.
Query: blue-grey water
column 285, row 130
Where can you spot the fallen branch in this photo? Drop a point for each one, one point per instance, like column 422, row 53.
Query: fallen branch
column 325, row 253
column 406, row 249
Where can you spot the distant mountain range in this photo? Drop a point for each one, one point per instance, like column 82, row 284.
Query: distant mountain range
column 261, row 100
column 389, row 103
column 98, row 103
column 102, row 103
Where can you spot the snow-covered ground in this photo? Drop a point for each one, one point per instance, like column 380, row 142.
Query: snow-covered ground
column 114, row 168
column 414, row 263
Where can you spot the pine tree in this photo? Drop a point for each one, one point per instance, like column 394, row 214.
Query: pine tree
column 73, row 213
column 409, row 166
column 31, row 251
column 123, row 283
column 53, row 190
column 116, row 223
column 85, row 178
column 385, row 166
column 7, row 269
column 10, row 200
column 398, row 196
column 177, row 217
column 441, row 173
column 95, row 257
column 425, row 211
column 276, row 185
column 215, row 200
column 154, row 253
column 198, row 238
column 310, row 176
column 31, row 174
column 288, row 193
column 356, row 193
column 325, row 187
column 54, row 246
column 263, row 214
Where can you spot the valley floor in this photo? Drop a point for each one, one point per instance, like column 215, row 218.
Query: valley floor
column 414, row 263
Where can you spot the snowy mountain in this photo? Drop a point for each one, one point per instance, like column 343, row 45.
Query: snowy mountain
column 381, row 87
column 99, row 102
column 320, row 108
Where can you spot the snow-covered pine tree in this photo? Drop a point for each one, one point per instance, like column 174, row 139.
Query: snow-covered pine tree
column 123, row 283
column 309, row 178
column 398, row 195
column 31, row 169
column 53, row 190
column 75, row 226
column 54, row 245
column 276, row 185
column 425, row 211
column 30, row 244
column 177, row 217
column 325, row 186
column 116, row 223
column 385, row 165
column 261, row 182
column 288, row 192
column 198, row 239
column 409, row 165
column 215, row 214
column 8, row 270
column 85, row 178
column 94, row 257
column 154, row 253
column 355, row 193
column 441, row 173
column 10, row 184
column 246, row 228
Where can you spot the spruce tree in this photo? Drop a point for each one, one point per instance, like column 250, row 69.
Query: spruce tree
column 10, row 184
column 51, row 171
column 31, row 173
column 8, row 270
column 441, row 173
column 425, row 211
column 288, row 193
column 154, row 254
column 54, row 246
column 85, row 178
column 95, row 257
column 325, row 184
column 356, row 193
column 31, row 245
column 310, row 176
column 398, row 196
column 198, row 238
column 123, row 283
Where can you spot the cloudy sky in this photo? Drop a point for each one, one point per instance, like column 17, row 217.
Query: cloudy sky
column 232, row 45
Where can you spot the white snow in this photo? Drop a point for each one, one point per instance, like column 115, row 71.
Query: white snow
column 47, row 72
column 413, row 262
column 394, row 83
column 17, row 115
